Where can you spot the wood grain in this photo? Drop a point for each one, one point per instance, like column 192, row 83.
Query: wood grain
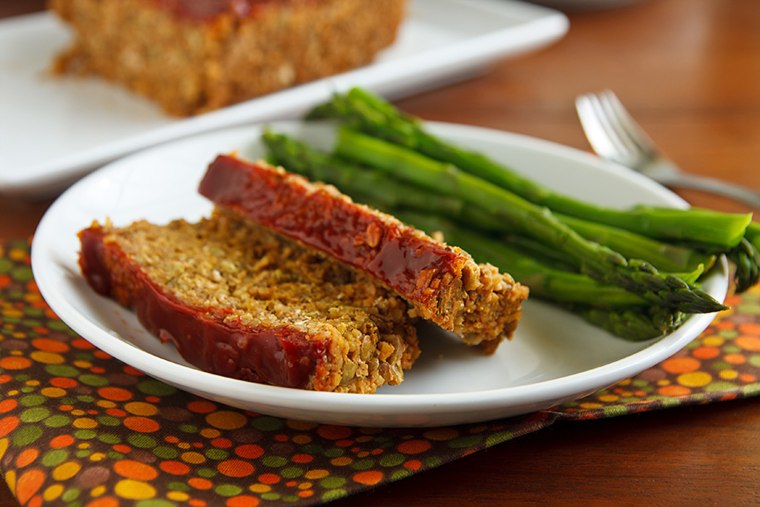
column 689, row 70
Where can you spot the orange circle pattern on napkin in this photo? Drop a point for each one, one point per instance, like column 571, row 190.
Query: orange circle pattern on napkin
column 79, row 428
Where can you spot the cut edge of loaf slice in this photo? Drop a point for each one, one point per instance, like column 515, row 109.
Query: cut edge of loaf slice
column 442, row 283
column 240, row 301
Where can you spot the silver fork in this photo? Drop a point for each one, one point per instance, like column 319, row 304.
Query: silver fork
column 615, row 135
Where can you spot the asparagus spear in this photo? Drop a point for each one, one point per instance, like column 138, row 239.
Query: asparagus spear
column 746, row 261
column 595, row 260
column 379, row 118
column 551, row 258
column 386, row 193
column 611, row 308
column 753, row 234
column 543, row 280
column 389, row 193
column 632, row 324
column 664, row 256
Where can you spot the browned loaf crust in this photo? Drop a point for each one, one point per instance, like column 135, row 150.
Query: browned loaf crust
column 442, row 283
column 240, row 301
column 193, row 56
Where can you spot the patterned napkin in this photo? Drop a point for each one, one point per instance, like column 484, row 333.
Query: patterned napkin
column 80, row 428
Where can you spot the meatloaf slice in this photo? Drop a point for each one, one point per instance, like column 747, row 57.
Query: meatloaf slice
column 442, row 283
column 243, row 302
column 194, row 56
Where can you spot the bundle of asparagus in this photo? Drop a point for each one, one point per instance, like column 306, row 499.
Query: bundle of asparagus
column 633, row 272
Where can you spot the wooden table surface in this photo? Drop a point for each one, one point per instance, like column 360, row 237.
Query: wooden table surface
column 690, row 72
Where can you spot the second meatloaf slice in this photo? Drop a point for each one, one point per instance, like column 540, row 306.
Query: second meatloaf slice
column 442, row 283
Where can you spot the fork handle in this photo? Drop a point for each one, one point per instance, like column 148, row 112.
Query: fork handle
column 714, row 186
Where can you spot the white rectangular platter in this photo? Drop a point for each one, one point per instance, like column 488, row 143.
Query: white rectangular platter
column 53, row 130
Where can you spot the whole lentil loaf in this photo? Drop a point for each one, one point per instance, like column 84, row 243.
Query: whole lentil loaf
column 192, row 56
column 241, row 301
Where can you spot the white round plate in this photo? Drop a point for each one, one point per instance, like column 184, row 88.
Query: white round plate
column 554, row 357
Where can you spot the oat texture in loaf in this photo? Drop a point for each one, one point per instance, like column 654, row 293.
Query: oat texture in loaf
column 195, row 56
column 239, row 280
column 442, row 283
